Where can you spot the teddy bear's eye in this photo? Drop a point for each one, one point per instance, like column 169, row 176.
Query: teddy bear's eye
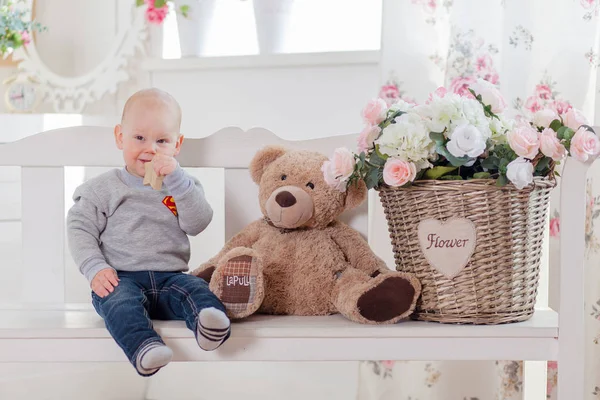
column 310, row 185
column 283, row 177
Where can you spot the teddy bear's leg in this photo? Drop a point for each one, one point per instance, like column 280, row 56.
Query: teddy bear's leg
column 384, row 299
column 238, row 282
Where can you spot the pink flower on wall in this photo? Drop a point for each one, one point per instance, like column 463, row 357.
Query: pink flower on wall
column 156, row 15
column 544, row 96
column 469, row 58
column 387, row 364
column 390, row 92
column 592, row 7
column 433, row 8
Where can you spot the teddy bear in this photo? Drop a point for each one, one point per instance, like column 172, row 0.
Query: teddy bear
column 300, row 259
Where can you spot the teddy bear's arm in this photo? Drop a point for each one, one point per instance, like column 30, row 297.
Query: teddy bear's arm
column 356, row 249
column 246, row 238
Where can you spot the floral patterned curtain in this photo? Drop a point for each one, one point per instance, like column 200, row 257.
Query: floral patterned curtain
column 541, row 53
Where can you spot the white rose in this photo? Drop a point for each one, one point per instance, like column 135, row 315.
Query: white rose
column 490, row 95
column 544, row 117
column 466, row 140
column 520, row 172
column 474, row 115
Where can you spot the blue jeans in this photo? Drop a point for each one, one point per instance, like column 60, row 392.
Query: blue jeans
column 145, row 295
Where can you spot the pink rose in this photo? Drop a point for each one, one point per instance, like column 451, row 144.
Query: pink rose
column 555, row 227
column 367, row 137
column 585, row 145
column 574, row 119
column 439, row 92
column 524, row 141
column 490, row 95
column 460, row 85
column 532, row 104
column 338, row 169
column 544, row 118
column 398, row 173
column 389, row 93
column 156, row 15
column 551, row 146
column 375, row 111
column 560, row 106
column 543, row 91
column 25, row 38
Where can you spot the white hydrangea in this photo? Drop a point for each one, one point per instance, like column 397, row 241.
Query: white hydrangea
column 408, row 140
column 500, row 127
column 474, row 115
column 442, row 111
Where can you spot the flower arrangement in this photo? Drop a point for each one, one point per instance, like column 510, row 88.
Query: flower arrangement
column 459, row 137
column 157, row 10
column 15, row 28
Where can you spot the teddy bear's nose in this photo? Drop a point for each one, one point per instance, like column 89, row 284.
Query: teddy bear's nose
column 285, row 199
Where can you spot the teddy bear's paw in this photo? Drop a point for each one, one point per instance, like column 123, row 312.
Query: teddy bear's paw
column 390, row 300
column 238, row 283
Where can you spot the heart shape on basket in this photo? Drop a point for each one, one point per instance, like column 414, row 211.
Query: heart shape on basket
column 447, row 246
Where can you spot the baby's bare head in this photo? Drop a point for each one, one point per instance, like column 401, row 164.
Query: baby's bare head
column 148, row 105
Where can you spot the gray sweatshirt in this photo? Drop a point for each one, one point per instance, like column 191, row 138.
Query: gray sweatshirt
column 117, row 222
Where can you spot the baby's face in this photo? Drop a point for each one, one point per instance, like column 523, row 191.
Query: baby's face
column 148, row 130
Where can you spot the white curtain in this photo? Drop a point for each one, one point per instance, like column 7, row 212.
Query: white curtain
column 542, row 53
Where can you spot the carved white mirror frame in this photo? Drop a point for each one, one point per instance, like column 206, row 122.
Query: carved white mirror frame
column 72, row 94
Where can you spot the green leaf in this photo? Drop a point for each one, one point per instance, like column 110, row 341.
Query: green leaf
column 438, row 138
column 451, row 178
column 437, row 172
column 543, row 164
column 502, row 180
column 482, row 175
column 455, row 161
column 139, row 3
column 555, row 125
column 565, row 133
column 376, row 159
column 372, row 178
column 491, row 162
column 556, row 173
column 185, row 10
column 160, row 3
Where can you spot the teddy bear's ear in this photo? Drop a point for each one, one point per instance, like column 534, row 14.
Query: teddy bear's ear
column 262, row 159
column 356, row 194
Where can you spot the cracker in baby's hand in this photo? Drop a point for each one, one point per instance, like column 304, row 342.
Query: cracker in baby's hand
column 150, row 177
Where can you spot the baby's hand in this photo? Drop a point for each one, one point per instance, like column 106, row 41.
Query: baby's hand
column 104, row 282
column 163, row 164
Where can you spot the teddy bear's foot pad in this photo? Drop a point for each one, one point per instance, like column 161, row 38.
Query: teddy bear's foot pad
column 391, row 300
column 239, row 286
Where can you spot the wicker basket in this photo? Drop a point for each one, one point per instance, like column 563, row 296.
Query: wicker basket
column 499, row 283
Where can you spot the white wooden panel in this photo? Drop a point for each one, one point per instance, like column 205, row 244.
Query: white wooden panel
column 10, row 261
column 10, row 174
column 272, row 98
column 535, row 374
column 241, row 201
column 571, row 359
column 10, row 201
column 94, row 146
column 43, row 234
column 248, row 380
column 83, row 322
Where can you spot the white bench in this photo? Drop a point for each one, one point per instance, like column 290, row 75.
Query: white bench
column 43, row 327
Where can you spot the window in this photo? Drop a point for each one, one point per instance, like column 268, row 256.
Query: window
column 247, row 27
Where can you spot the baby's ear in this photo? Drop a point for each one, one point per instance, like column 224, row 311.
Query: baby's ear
column 262, row 159
column 356, row 194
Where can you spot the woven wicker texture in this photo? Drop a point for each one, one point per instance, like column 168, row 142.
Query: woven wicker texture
column 499, row 284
